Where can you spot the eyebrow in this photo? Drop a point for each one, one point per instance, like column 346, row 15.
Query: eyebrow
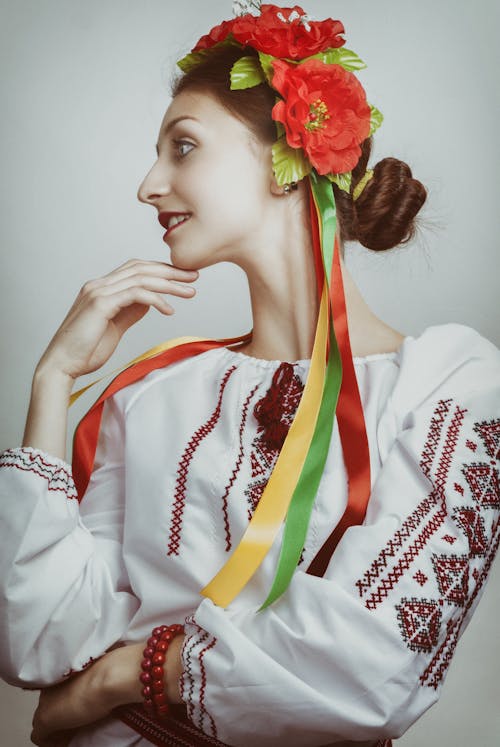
column 171, row 124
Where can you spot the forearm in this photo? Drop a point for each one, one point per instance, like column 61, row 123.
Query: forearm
column 120, row 671
column 93, row 693
column 47, row 419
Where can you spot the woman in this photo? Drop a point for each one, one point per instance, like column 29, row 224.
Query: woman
column 185, row 453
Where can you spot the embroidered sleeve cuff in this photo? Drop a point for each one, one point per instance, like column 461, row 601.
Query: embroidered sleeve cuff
column 54, row 471
column 193, row 682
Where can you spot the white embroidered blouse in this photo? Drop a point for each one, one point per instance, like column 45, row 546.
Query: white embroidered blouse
column 182, row 460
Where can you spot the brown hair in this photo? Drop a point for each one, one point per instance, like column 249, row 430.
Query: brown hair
column 382, row 217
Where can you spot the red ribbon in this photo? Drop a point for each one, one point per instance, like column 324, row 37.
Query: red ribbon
column 87, row 431
column 350, row 418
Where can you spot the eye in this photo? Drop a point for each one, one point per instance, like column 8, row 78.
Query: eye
column 179, row 144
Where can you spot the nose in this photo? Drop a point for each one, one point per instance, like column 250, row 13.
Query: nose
column 154, row 186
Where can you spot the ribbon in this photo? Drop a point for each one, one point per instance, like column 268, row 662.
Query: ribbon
column 292, row 486
column 87, row 431
column 323, row 217
column 348, row 407
column 352, row 430
column 277, row 495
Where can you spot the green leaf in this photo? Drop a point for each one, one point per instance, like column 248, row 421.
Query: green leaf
column 343, row 181
column 341, row 56
column 279, row 128
column 193, row 59
column 376, row 119
column 246, row 73
column 265, row 61
column 289, row 164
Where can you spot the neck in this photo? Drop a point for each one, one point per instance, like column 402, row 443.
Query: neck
column 280, row 269
column 285, row 308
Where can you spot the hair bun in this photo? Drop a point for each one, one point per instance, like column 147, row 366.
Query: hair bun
column 384, row 214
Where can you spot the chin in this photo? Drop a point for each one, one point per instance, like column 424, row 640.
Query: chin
column 195, row 255
column 190, row 262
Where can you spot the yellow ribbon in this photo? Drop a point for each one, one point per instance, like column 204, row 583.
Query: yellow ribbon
column 275, row 500
column 154, row 351
column 362, row 184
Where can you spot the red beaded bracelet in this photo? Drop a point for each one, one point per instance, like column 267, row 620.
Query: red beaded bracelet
column 153, row 675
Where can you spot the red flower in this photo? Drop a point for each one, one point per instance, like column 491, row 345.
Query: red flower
column 281, row 32
column 214, row 36
column 294, row 37
column 324, row 112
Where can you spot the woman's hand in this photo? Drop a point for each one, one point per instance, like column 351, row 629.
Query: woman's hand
column 92, row 694
column 106, row 307
column 64, row 707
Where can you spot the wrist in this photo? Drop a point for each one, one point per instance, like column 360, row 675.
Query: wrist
column 174, row 669
column 118, row 680
column 47, row 374
column 161, row 668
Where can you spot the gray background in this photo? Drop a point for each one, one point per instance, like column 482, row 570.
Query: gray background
column 83, row 92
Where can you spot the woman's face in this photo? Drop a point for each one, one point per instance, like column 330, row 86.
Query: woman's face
column 209, row 168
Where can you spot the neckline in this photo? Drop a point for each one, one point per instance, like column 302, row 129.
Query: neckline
column 305, row 362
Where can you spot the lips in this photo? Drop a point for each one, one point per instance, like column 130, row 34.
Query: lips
column 165, row 217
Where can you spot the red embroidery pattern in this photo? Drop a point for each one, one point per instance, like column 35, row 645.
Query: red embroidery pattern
column 472, row 523
column 58, row 478
column 449, row 538
column 434, row 435
column 458, row 583
column 438, row 666
column 452, row 574
column 418, row 515
column 191, row 642
column 176, row 731
column 419, row 620
column 483, row 481
column 420, row 578
column 182, row 471
column 203, row 710
column 84, row 666
column 235, row 471
column 275, row 413
column 489, row 433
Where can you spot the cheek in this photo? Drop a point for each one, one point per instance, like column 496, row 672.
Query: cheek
column 228, row 194
column 230, row 202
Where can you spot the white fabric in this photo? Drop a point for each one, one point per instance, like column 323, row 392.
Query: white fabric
column 359, row 654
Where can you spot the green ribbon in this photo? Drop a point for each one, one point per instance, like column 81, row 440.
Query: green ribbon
column 300, row 509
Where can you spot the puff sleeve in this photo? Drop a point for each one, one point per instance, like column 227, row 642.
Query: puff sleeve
column 65, row 595
column 361, row 653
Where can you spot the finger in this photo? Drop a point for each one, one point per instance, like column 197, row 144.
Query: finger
column 108, row 305
column 112, row 305
column 163, row 268
column 161, row 285
column 159, row 280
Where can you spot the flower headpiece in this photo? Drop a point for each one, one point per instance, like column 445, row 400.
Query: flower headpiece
column 322, row 117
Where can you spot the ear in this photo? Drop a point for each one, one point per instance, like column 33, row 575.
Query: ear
column 275, row 188
column 280, row 190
